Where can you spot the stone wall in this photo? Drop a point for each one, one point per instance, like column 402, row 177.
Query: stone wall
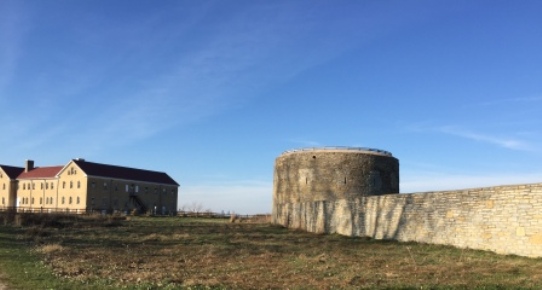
column 503, row 219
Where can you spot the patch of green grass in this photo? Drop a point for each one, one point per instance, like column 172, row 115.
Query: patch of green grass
column 22, row 269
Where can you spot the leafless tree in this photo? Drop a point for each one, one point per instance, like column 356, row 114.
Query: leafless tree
column 195, row 207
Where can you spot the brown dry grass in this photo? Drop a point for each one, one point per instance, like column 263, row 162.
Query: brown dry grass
column 50, row 249
column 178, row 252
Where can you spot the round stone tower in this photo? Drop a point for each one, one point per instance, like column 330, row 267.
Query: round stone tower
column 332, row 173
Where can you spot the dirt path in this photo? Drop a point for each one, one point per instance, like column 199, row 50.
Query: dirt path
column 2, row 285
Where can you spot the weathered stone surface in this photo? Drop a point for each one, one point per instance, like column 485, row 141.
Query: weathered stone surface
column 309, row 195
column 456, row 218
column 324, row 174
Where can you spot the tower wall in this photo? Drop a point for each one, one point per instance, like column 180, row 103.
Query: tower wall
column 330, row 174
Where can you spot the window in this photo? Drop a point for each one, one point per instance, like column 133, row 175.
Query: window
column 137, row 188
column 63, row 200
column 32, row 201
column 51, row 201
column 93, row 184
column 41, row 185
column 78, row 184
column 63, row 184
column 71, row 184
column 127, row 186
column 33, row 186
column 46, row 185
column 3, row 200
column 24, row 186
column 70, row 200
column 41, row 200
column 105, row 185
column 4, row 186
column 52, row 185
column 78, row 200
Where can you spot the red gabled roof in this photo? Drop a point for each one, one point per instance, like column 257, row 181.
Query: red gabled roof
column 119, row 172
column 12, row 171
column 41, row 172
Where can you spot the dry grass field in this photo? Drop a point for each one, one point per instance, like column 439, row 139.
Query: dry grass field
column 188, row 253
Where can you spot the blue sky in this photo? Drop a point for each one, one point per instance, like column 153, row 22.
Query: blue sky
column 212, row 92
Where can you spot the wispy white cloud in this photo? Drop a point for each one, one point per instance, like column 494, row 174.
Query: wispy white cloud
column 505, row 142
column 240, row 57
column 502, row 140
column 117, row 84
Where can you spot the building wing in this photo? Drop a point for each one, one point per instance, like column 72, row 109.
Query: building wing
column 11, row 171
column 126, row 173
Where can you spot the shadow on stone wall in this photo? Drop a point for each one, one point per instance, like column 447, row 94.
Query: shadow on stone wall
column 398, row 217
column 505, row 219
column 405, row 217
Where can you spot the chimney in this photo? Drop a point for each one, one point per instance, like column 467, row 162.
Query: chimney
column 29, row 165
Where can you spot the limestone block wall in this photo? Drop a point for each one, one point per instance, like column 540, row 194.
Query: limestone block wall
column 503, row 219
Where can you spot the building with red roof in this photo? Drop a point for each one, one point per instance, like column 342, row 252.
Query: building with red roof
column 82, row 186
